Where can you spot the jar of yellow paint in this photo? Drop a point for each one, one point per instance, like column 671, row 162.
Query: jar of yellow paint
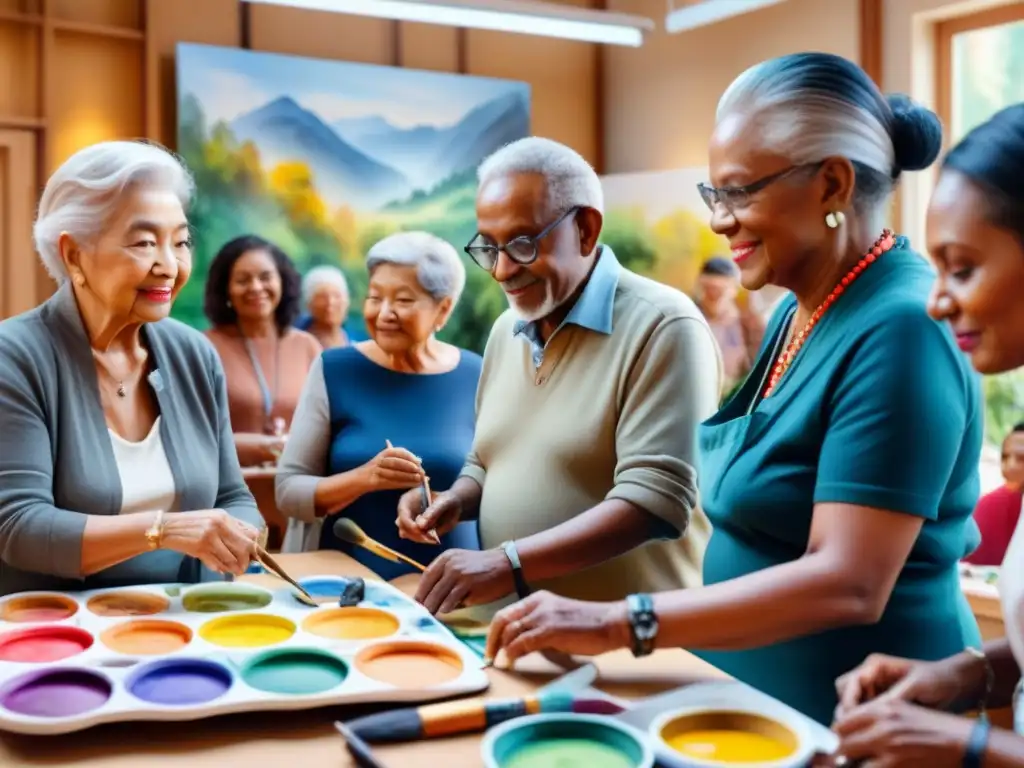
column 697, row 737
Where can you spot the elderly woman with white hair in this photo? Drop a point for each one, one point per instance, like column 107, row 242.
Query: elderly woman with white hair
column 117, row 456
column 841, row 477
column 326, row 298
column 378, row 417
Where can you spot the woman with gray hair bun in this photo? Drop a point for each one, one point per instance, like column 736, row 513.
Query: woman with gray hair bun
column 118, row 460
column 381, row 416
column 841, row 476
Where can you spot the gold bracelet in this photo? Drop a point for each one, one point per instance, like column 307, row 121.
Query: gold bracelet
column 990, row 677
column 155, row 533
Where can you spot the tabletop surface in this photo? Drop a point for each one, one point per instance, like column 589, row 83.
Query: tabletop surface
column 307, row 739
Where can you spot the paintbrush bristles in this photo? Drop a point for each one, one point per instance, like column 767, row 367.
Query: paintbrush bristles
column 350, row 532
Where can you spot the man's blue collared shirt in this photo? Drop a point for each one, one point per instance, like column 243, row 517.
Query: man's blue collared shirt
column 593, row 309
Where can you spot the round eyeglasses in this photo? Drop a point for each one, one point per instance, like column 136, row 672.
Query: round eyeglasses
column 522, row 250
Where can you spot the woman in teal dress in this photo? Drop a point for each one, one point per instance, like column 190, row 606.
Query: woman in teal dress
column 841, row 477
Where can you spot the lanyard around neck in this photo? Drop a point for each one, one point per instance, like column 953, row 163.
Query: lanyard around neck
column 269, row 395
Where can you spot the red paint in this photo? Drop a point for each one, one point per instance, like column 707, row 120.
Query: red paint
column 43, row 644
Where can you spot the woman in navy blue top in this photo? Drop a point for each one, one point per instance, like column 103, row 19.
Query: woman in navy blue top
column 378, row 416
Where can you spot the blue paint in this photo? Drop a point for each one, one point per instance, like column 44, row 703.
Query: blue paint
column 503, row 742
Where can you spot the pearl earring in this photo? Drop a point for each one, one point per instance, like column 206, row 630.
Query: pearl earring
column 834, row 219
column 79, row 279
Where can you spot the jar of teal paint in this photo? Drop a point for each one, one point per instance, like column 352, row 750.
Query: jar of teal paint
column 566, row 740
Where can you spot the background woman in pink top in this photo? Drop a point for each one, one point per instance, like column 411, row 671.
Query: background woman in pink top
column 998, row 512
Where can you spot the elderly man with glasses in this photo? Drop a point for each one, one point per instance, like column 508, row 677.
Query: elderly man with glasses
column 583, row 470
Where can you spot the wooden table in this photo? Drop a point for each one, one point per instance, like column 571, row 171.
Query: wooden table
column 307, row 739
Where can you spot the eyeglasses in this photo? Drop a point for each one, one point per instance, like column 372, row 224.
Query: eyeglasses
column 522, row 250
column 739, row 197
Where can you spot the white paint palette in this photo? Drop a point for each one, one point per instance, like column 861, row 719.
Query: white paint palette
column 69, row 661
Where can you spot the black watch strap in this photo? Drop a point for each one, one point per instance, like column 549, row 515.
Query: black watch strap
column 522, row 588
column 977, row 744
column 643, row 623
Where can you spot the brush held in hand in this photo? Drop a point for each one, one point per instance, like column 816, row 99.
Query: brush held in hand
column 348, row 531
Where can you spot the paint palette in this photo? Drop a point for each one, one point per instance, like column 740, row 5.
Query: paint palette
column 69, row 661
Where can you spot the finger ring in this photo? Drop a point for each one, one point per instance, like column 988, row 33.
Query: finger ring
column 517, row 626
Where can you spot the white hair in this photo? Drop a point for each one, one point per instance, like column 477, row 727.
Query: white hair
column 439, row 269
column 82, row 195
column 571, row 180
column 323, row 275
column 811, row 106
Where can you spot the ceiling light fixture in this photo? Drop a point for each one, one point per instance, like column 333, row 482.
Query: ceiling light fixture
column 521, row 16
column 704, row 12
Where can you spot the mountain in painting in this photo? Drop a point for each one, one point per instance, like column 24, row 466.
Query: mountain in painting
column 430, row 155
column 283, row 131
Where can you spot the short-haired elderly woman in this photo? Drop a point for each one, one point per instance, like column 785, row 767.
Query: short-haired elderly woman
column 116, row 455
column 889, row 713
column 840, row 478
column 326, row 298
column 377, row 417
column 252, row 299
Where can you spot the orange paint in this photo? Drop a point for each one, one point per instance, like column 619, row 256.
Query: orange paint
column 48, row 607
column 127, row 603
column 351, row 623
column 147, row 637
column 410, row 665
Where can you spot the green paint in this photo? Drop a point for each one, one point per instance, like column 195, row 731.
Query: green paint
column 295, row 672
column 568, row 753
column 219, row 601
column 172, row 591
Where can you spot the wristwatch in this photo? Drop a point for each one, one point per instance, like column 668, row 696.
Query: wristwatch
column 522, row 588
column 977, row 744
column 643, row 623
column 156, row 531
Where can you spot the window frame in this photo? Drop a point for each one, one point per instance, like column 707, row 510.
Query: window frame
column 944, row 32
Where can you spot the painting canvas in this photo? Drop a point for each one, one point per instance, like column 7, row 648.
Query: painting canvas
column 324, row 158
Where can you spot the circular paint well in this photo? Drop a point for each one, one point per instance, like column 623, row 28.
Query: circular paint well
column 37, row 608
column 56, row 693
column 724, row 737
column 409, row 664
column 221, row 598
column 113, row 604
column 295, row 672
column 147, row 637
column 247, row 630
column 565, row 741
column 352, row 623
column 40, row 645
column 180, row 682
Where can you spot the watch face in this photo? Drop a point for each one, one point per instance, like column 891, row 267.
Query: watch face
column 646, row 630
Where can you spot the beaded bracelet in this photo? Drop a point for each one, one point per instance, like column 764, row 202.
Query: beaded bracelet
column 990, row 678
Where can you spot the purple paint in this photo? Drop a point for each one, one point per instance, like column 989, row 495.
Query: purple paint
column 180, row 682
column 56, row 693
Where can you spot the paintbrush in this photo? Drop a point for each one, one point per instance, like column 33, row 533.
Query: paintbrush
column 353, row 534
column 468, row 716
column 425, row 498
column 358, row 748
column 263, row 558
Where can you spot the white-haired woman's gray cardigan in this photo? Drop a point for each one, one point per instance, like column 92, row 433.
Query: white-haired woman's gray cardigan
column 57, row 464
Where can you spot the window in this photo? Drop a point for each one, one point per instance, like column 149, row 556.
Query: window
column 980, row 70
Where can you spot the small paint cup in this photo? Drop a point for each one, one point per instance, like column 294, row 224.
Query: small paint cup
column 565, row 739
column 702, row 737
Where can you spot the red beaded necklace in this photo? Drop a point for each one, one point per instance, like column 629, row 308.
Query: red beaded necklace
column 882, row 244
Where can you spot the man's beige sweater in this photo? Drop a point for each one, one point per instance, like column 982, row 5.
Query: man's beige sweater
column 604, row 417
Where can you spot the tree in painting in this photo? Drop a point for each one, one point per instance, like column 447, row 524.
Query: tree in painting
column 325, row 158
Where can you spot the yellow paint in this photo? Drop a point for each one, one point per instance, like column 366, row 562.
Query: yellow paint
column 351, row 623
column 729, row 746
column 247, row 630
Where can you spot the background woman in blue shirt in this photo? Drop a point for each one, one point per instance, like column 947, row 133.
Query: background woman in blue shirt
column 841, row 477
column 403, row 387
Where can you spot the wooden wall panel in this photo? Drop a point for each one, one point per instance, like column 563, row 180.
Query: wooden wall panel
column 19, row 76
column 19, row 273
column 320, row 35
column 428, row 46
column 98, row 95
column 113, row 13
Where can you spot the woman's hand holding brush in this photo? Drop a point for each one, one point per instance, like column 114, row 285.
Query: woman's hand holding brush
column 393, row 469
